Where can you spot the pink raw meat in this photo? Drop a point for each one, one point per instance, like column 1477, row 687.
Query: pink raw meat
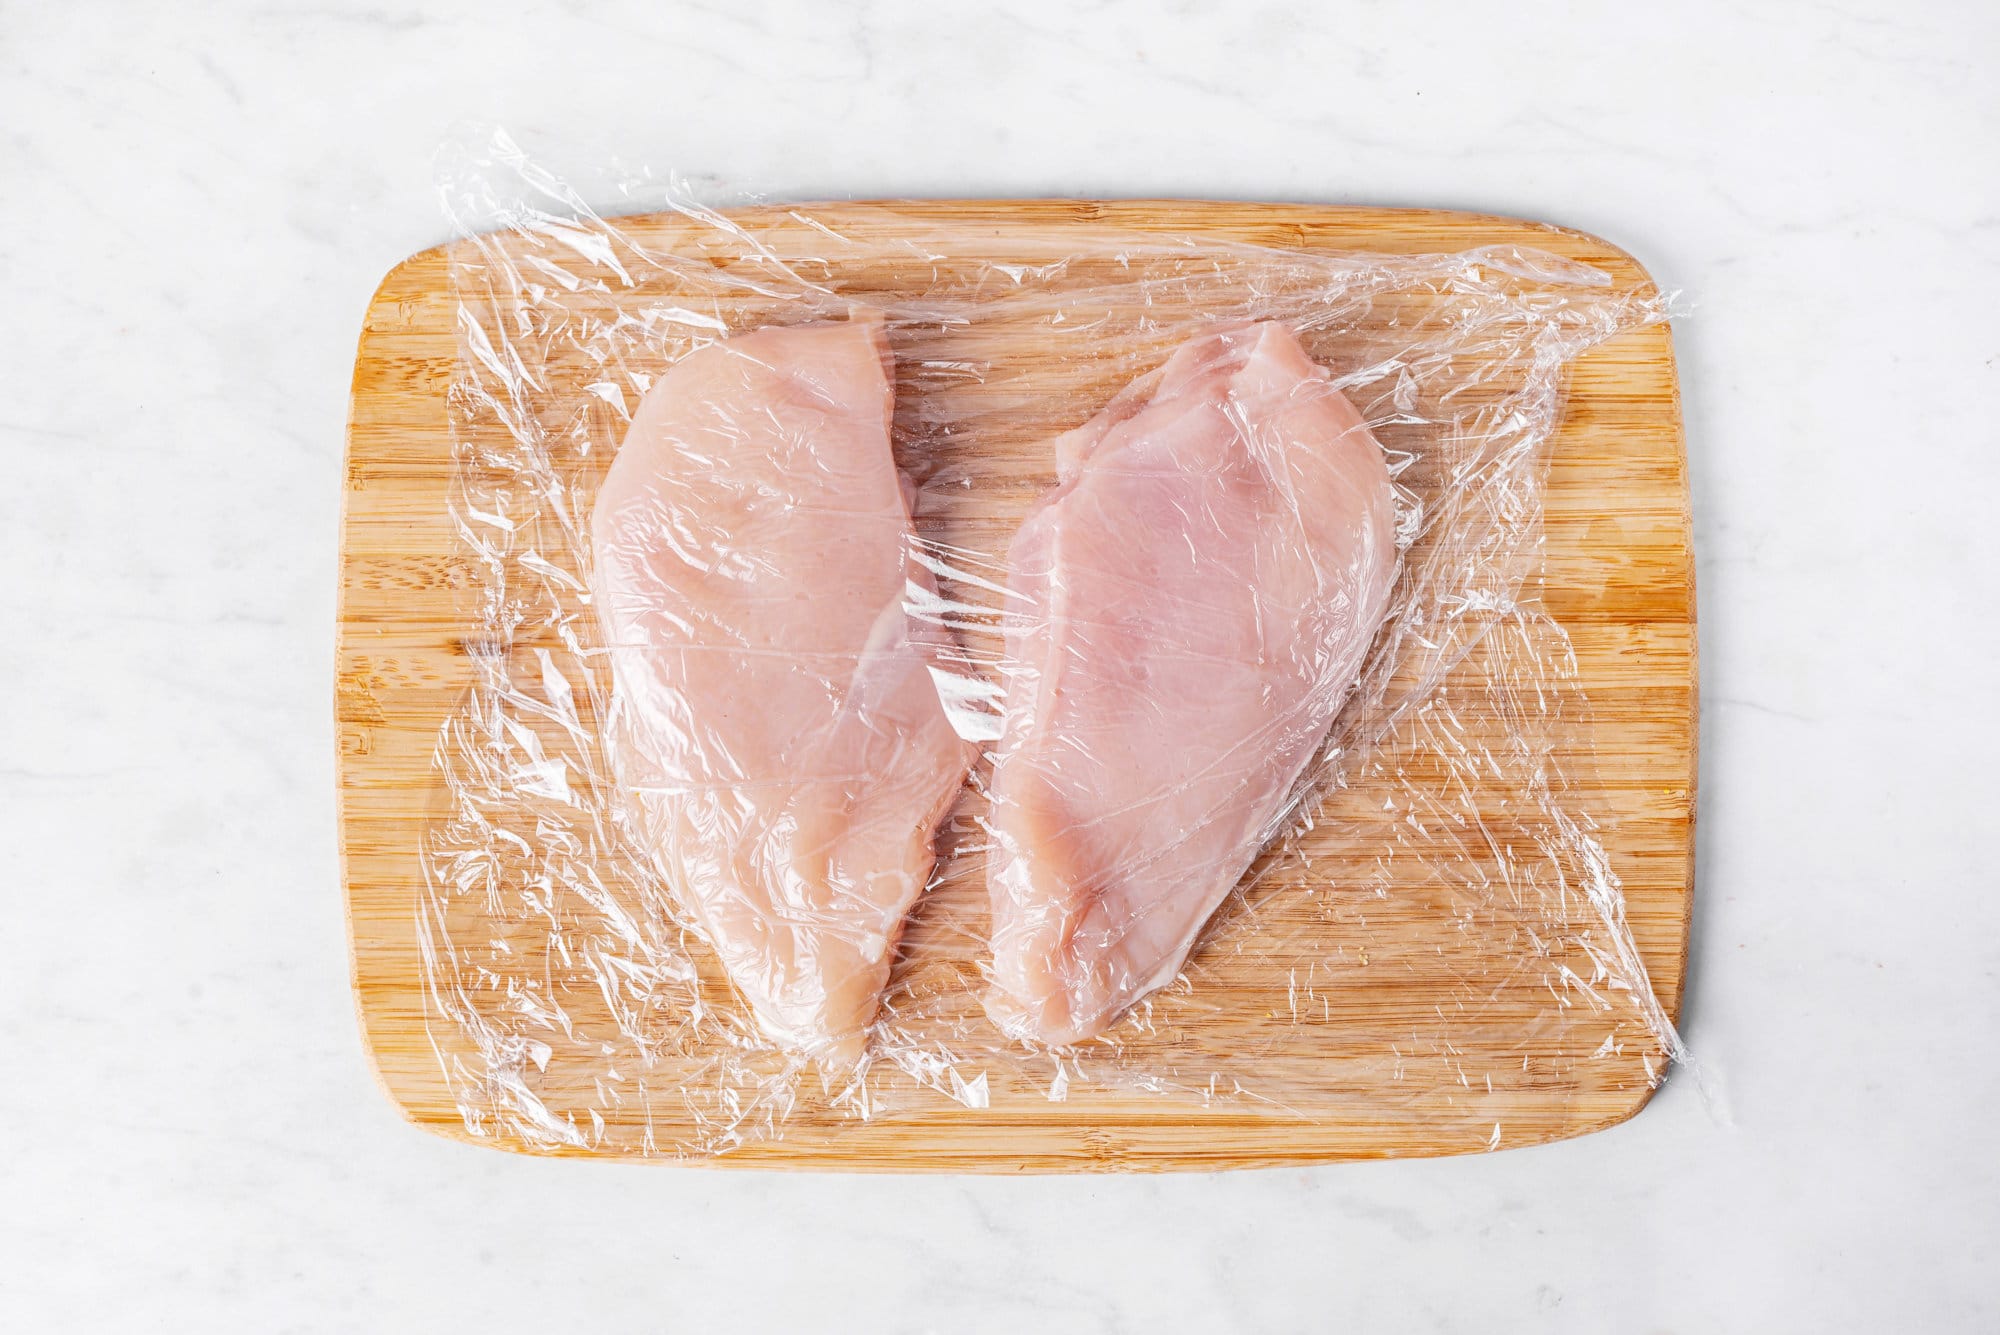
column 775, row 719
column 1193, row 604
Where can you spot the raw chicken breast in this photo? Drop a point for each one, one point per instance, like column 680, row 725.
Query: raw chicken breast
column 775, row 719
column 1193, row 603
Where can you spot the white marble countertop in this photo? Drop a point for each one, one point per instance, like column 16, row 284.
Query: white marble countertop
column 200, row 200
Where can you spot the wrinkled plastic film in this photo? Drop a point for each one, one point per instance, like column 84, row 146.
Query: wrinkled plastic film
column 723, row 690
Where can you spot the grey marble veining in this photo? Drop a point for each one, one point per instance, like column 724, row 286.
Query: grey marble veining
column 200, row 200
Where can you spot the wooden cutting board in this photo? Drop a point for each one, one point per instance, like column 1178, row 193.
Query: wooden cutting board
column 1619, row 577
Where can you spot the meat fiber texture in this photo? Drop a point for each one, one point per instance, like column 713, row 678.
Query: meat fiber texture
column 1195, row 598
column 775, row 718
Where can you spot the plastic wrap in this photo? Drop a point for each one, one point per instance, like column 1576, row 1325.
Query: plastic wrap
column 920, row 663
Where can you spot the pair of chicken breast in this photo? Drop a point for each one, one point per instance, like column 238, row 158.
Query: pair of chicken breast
column 1188, row 608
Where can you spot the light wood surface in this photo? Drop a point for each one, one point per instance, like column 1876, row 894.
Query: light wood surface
column 1619, row 577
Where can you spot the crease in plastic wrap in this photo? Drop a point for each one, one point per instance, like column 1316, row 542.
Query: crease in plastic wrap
column 923, row 665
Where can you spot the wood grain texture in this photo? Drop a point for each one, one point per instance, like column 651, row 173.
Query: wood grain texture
column 1619, row 577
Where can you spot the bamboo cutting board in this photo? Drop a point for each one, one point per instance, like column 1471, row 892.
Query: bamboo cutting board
column 1619, row 577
